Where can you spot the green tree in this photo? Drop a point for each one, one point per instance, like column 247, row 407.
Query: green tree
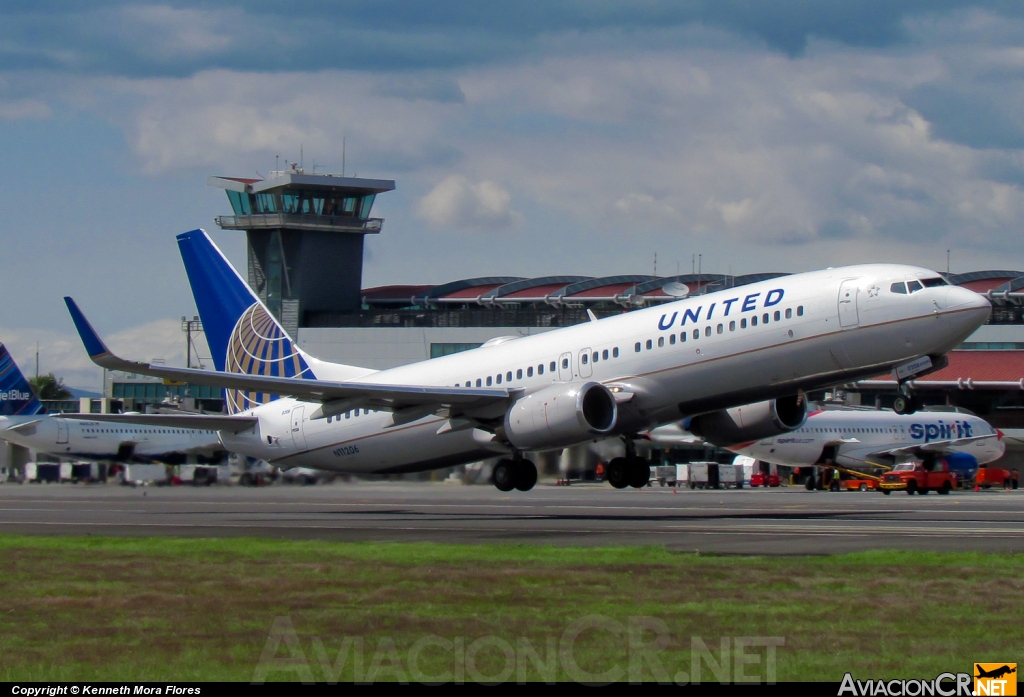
column 50, row 387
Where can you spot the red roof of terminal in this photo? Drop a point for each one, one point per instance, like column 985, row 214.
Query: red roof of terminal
column 536, row 291
column 996, row 366
column 984, row 285
column 474, row 292
column 604, row 291
column 981, row 365
column 587, row 289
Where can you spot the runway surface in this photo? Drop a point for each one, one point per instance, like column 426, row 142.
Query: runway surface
column 774, row 521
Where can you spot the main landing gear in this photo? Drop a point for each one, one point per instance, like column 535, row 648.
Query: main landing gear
column 516, row 473
column 631, row 470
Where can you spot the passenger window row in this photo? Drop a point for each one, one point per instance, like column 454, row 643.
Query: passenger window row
column 766, row 318
column 551, row 367
column 348, row 415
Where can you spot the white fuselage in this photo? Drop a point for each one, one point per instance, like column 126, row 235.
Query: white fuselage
column 691, row 356
column 860, row 436
column 96, row 440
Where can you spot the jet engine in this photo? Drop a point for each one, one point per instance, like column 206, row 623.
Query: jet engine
column 751, row 422
column 561, row 415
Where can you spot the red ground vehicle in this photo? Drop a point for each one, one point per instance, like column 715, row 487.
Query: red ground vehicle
column 988, row 477
column 919, row 478
column 853, row 484
column 762, row 479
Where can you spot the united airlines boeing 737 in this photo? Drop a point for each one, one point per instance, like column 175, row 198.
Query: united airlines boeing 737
column 610, row 377
column 24, row 422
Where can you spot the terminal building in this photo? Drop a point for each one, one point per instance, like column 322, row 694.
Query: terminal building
column 305, row 237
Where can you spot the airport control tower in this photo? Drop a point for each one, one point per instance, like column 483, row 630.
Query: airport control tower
column 305, row 238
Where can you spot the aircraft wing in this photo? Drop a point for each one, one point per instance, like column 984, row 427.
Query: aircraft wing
column 212, row 422
column 347, row 395
column 935, row 447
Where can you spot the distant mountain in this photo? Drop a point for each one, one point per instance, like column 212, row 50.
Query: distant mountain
column 78, row 394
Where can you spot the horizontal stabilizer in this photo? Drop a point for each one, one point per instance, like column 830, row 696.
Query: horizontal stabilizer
column 200, row 422
column 26, row 428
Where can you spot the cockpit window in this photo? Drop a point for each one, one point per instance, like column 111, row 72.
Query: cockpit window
column 934, row 282
column 900, row 288
column 914, row 286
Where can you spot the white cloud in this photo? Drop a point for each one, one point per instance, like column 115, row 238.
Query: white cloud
column 458, row 203
column 15, row 109
column 63, row 354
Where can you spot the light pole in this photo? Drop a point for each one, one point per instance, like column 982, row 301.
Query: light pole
column 190, row 326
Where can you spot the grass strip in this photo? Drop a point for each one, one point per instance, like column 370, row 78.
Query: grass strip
column 99, row 608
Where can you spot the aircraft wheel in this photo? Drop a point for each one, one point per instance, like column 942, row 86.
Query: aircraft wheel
column 504, row 475
column 639, row 473
column 904, row 405
column 809, row 484
column 618, row 472
column 526, row 477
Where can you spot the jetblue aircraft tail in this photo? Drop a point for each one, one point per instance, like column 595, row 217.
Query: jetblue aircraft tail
column 16, row 395
column 242, row 334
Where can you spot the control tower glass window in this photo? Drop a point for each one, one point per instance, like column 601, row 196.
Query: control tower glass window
column 366, row 203
column 239, row 203
column 266, row 203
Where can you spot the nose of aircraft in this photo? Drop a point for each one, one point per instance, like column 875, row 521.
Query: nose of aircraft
column 962, row 299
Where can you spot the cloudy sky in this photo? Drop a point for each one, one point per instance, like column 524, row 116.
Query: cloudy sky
column 525, row 138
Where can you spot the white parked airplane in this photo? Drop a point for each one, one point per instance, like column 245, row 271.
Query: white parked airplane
column 863, row 439
column 24, row 422
column 609, row 377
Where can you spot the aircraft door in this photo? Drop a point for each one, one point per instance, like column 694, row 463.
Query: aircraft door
column 298, row 436
column 565, row 367
column 848, row 316
column 585, row 368
column 62, row 431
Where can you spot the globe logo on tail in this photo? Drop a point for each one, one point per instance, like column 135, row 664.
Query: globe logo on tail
column 258, row 346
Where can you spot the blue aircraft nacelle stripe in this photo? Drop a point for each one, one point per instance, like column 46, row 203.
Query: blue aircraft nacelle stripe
column 93, row 344
column 221, row 296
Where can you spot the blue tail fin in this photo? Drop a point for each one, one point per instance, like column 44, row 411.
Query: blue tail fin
column 16, row 395
column 243, row 336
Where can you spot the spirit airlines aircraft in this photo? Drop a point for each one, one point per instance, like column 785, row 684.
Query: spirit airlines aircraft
column 611, row 377
column 24, row 422
column 865, row 438
column 862, row 439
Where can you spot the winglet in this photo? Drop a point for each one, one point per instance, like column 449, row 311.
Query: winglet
column 93, row 343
